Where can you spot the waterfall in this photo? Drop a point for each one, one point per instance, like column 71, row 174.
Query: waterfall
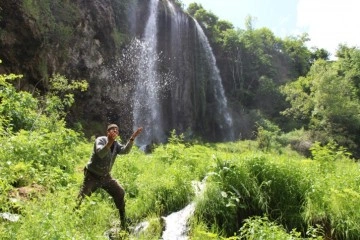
column 147, row 111
column 197, row 93
column 209, row 73
column 178, row 52
column 222, row 117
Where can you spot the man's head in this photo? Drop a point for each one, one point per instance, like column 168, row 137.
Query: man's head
column 113, row 127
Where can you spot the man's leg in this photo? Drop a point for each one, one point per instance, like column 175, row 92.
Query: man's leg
column 118, row 194
column 90, row 184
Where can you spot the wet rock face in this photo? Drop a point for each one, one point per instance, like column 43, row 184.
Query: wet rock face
column 26, row 49
column 90, row 43
column 95, row 27
column 93, row 48
column 78, row 47
column 20, row 41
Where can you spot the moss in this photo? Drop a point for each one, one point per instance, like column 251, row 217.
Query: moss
column 55, row 19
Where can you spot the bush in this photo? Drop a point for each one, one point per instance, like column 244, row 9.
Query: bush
column 161, row 182
column 299, row 140
column 268, row 135
column 262, row 228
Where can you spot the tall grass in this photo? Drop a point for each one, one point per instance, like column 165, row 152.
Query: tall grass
column 284, row 182
column 334, row 197
column 297, row 193
column 161, row 182
column 229, row 197
column 262, row 228
column 249, row 194
column 52, row 216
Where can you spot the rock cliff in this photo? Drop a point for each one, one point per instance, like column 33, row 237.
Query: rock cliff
column 101, row 41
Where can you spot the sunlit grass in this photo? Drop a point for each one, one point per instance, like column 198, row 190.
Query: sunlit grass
column 294, row 193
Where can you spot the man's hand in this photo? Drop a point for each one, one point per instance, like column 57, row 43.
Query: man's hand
column 136, row 133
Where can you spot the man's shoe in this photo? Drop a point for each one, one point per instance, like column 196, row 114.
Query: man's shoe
column 125, row 223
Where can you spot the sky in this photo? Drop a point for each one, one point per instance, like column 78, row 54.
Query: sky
column 328, row 22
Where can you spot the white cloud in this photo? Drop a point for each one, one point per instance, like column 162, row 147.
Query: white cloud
column 330, row 23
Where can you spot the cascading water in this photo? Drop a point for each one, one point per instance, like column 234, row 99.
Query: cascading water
column 178, row 52
column 195, row 96
column 206, row 76
column 223, row 117
column 147, row 109
column 176, row 224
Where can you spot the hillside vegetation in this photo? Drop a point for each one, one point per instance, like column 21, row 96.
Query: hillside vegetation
column 257, row 189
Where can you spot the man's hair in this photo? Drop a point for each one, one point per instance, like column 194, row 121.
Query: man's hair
column 110, row 126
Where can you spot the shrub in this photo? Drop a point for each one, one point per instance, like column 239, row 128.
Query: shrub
column 169, row 191
column 268, row 135
column 161, row 182
column 262, row 228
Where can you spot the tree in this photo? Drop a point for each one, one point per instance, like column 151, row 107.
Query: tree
column 298, row 53
column 60, row 96
column 249, row 22
column 320, row 53
column 223, row 25
column 231, row 46
column 207, row 19
column 328, row 101
column 193, row 8
column 349, row 65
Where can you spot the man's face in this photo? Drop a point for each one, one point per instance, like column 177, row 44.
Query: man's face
column 114, row 130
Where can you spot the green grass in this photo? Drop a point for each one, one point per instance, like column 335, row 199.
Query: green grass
column 284, row 196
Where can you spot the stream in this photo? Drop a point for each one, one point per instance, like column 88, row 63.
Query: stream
column 176, row 224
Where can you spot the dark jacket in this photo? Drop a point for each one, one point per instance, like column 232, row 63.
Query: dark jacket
column 102, row 159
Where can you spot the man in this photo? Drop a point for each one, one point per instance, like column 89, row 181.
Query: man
column 97, row 171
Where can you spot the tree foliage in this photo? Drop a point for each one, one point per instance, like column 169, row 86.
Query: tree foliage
column 327, row 98
column 298, row 53
column 193, row 8
column 22, row 110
